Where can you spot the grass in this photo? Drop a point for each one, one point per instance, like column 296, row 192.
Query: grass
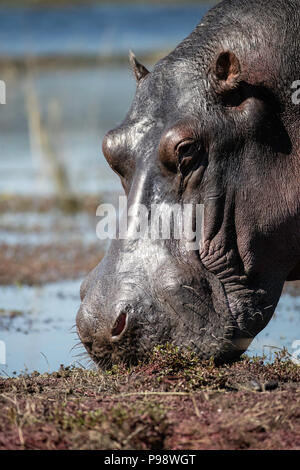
column 37, row 264
column 172, row 401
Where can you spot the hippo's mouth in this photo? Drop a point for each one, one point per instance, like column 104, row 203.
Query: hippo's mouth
column 191, row 313
column 132, row 336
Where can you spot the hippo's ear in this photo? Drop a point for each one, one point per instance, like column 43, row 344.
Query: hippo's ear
column 226, row 72
column 138, row 69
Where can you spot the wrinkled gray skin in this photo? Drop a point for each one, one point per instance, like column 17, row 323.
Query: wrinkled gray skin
column 212, row 123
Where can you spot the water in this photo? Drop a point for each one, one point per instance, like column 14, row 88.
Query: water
column 45, row 228
column 283, row 329
column 76, row 134
column 78, row 106
column 42, row 336
column 99, row 29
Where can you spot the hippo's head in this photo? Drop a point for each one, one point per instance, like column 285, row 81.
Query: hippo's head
column 214, row 124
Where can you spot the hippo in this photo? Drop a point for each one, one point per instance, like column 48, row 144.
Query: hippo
column 214, row 124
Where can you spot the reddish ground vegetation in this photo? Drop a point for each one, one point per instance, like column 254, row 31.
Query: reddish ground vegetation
column 171, row 402
column 36, row 264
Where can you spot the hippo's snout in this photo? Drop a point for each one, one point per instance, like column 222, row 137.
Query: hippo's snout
column 121, row 320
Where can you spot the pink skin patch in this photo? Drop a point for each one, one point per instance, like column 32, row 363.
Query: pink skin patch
column 119, row 325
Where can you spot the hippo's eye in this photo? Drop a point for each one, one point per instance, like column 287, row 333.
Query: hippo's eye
column 185, row 153
column 178, row 148
column 185, row 149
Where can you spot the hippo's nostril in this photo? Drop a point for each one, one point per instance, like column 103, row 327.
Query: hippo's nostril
column 88, row 345
column 119, row 325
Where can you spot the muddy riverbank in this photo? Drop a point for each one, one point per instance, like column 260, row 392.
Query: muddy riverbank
column 171, row 402
column 46, row 263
